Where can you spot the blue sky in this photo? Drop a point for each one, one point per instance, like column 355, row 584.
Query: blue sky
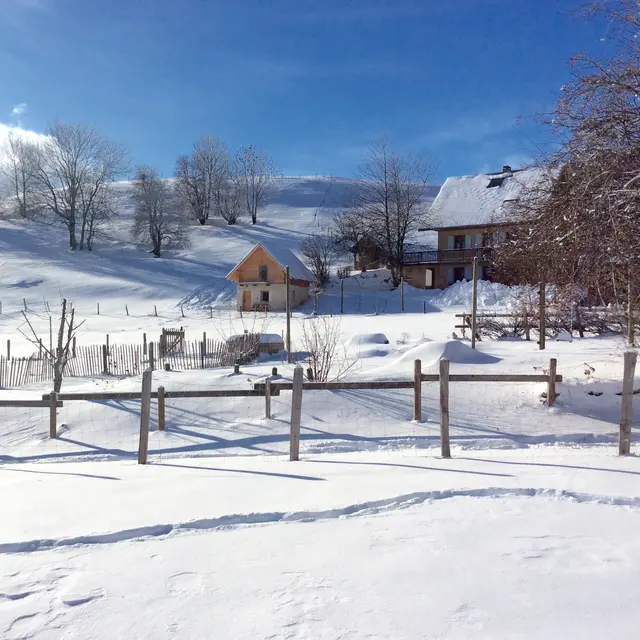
column 313, row 81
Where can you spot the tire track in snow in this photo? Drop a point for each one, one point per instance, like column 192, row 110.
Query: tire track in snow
column 233, row 521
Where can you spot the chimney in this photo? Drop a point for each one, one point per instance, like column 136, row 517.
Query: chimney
column 506, row 168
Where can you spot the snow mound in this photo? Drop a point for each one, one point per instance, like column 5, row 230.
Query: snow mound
column 369, row 338
column 453, row 350
column 490, row 294
column 563, row 336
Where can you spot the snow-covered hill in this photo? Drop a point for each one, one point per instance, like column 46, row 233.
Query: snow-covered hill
column 37, row 265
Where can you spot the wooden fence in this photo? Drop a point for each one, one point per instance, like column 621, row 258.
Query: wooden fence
column 18, row 372
column 271, row 388
column 127, row 360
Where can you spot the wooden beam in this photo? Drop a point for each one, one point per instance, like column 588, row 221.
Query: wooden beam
column 29, row 404
column 445, row 446
column 145, row 414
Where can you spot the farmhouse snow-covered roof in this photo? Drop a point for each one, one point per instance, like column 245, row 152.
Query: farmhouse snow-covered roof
column 285, row 258
column 477, row 201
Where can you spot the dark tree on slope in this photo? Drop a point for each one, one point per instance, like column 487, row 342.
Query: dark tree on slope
column 159, row 219
column 18, row 164
column 389, row 200
column 75, row 169
column 582, row 224
column 202, row 177
column 255, row 174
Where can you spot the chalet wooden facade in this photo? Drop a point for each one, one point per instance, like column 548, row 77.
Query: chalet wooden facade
column 260, row 279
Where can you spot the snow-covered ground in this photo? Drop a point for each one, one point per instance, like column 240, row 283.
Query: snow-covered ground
column 525, row 533
column 532, row 543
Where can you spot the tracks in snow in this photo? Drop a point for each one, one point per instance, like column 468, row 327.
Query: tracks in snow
column 233, row 521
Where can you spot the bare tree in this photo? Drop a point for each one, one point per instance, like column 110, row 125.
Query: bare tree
column 18, row 164
column 255, row 173
column 60, row 354
column 75, row 168
column 159, row 220
column 318, row 253
column 322, row 343
column 582, row 226
column 389, row 199
column 202, row 177
column 229, row 200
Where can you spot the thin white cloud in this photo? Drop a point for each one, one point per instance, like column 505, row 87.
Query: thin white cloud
column 19, row 109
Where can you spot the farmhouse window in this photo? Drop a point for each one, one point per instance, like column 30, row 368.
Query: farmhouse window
column 263, row 273
column 264, row 296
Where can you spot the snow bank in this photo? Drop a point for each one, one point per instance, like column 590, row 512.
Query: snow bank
column 490, row 294
column 453, row 350
column 369, row 338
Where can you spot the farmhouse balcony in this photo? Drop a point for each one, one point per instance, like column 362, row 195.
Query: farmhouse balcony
column 448, row 256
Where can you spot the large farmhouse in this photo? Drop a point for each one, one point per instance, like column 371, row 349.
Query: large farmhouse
column 469, row 214
column 261, row 279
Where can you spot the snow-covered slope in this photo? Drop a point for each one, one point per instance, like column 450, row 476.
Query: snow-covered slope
column 37, row 265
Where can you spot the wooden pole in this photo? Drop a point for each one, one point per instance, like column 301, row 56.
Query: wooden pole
column 144, row 344
column 631, row 329
column 474, row 303
column 288, row 310
column 267, row 399
column 543, row 315
column 155, row 310
column 8, row 349
column 98, row 308
column 53, row 415
column 126, row 308
column 626, row 412
column 551, row 387
column 445, row 447
column 161, row 412
column 145, row 413
column 402, row 293
column 296, row 412
column 342, row 295
column 151, row 358
column 73, row 347
column 417, row 390
column 105, row 359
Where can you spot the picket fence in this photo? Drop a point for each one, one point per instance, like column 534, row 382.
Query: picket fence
column 127, row 360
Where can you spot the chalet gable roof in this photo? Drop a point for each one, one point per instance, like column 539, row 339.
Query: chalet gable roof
column 284, row 257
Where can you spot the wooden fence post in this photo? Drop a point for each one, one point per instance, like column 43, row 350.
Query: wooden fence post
column 126, row 308
column 296, row 412
column 267, row 399
column 417, row 390
column 105, row 359
column 98, row 308
column 53, row 415
column 626, row 412
column 8, row 349
column 445, row 447
column 73, row 347
column 543, row 316
column 155, row 310
column 551, row 387
column 145, row 413
column 144, row 344
column 161, row 412
column 474, row 303
column 152, row 364
column 288, row 310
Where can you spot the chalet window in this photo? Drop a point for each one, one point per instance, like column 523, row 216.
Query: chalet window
column 263, row 273
column 459, row 242
column 458, row 274
column 264, row 296
column 495, row 182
